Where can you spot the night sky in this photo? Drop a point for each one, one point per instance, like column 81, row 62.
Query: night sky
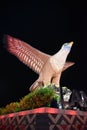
column 46, row 26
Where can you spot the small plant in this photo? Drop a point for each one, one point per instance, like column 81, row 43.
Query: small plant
column 12, row 107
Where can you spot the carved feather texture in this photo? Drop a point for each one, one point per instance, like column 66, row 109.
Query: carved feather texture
column 30, row 56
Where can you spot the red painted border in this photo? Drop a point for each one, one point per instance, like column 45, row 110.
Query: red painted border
column 46, row 110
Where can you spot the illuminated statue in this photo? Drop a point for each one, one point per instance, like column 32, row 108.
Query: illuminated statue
column 49, row 68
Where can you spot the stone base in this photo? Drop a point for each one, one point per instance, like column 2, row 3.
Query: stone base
column 44, row 119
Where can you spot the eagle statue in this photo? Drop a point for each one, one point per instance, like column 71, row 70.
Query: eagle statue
column 48, row 67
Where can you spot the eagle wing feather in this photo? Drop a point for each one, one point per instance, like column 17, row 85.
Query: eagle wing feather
column 27, row 54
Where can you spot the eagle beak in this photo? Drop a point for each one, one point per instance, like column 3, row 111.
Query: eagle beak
column 71, row 43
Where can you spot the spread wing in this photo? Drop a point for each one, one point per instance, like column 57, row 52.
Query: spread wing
column 67, row 65
column 27, row 54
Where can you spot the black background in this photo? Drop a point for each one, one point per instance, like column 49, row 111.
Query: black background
column 45, row 25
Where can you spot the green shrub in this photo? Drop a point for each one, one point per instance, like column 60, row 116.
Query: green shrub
column 41, row 97
column 38, row 98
